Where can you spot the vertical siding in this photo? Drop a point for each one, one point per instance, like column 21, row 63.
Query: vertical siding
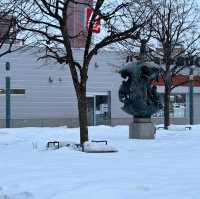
column 42, row 98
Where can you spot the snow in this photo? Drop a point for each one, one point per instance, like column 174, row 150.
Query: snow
column 165, row 168
column 91, row 147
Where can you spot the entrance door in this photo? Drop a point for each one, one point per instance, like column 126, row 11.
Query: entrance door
column 99, row 109
column 102, row 110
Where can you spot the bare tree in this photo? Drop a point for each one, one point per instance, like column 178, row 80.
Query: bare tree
column 45, row 23
column 173, row 33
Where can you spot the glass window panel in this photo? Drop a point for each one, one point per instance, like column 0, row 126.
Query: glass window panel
column 102, row 110
column 177, row 107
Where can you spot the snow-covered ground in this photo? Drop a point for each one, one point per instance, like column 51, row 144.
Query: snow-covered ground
column 165, row 168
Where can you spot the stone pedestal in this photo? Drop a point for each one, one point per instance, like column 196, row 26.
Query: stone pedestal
column 142, row 128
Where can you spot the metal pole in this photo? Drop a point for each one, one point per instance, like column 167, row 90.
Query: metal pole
column 8, row 115
column 191, row 92
column 94, row 111
column 109, row 108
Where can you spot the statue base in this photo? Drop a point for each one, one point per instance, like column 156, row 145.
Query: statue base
column 142, row 128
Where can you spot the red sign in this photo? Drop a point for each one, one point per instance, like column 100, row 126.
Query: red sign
column 96, row 27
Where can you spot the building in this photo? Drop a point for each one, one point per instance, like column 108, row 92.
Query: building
column 42, row 93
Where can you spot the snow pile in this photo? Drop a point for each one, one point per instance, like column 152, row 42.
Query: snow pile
column 95, row 147
column 180, row 127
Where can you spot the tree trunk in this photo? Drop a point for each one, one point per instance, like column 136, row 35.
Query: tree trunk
column 80, row 88
column 166, row 107
column 82, row 109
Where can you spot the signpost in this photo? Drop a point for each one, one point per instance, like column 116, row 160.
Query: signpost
column 8, row 109
column 191, row 93
column 97, row 25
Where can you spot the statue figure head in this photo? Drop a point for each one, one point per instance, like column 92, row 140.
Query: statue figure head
column 137, row 92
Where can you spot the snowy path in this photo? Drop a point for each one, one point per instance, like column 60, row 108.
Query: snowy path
column 165, row 168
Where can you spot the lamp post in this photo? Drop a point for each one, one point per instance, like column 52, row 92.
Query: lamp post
column 191, row 92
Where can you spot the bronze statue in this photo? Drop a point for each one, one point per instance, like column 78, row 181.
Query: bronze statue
column 139, row 96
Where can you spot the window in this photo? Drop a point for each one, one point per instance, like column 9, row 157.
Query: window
column 101, row 104
column 98, row 108
column 7, row 66
column 177, row 106
column 102, row 110
column 13, row 91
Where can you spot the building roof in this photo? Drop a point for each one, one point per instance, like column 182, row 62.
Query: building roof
column 180, row 79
